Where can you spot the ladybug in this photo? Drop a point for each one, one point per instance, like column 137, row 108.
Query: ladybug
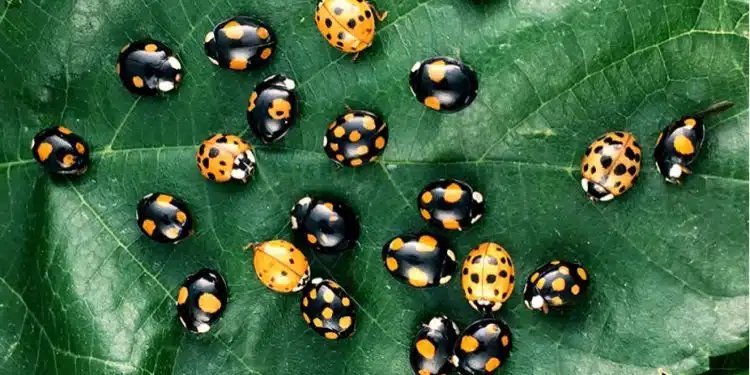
column 280, row 266
column 328, row 310
column 610, row 166
column 164, row 218
column 443, row 83
column 201, row 300
column 348, row 25
column 240, row 43
column 679, row 143
column 482, row 347
column 356, row 138
column 225, row 157
column 148, row 67
column 450, row 204
column 60, row 151
column 273, row 108
column 555, row 284
column 420, row 260
column 431, row 350
column 326, row 225
column 487, row 277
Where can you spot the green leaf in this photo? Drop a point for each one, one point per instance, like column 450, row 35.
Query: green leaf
column 83, row 292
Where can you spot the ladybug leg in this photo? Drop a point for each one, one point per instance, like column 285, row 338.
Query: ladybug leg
column 355, row 57
column 250, row 246
column 685, row 170
column 380, row 16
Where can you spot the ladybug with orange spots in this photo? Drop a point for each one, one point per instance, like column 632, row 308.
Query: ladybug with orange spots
column 431, row 350
column 421, row 260
column 201, row 300
column 450, row 204
column 240, row 43
column 280, row 266
column 273, row 108
column 164, row 218
column 610, row 166
column 679, row 143
column 225, row 157
column 556, row 284
column 328, row 309
column 347, row 25
column 487, row 277
column 482, row 347
column 356, row 138
column 60, row 151
column 148, row 67
column 325, row 225
column 443, row 84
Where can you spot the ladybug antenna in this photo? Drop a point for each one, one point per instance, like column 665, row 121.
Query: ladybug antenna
column 715, row 108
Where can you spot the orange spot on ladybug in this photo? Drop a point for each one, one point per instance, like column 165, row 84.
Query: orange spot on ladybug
column 554, row 262
column 380, row 143
column 182, row 295
column 683, row 145
column 436, row 71
column 117, row 68
column 345, row 322
column 266, row 53
column 280, row 109
column 575, row 289
column 181, row 217
column 558, row 285
column 313, row 294
column 172, row 232
column 150, row 47
column 328, row 205
column 534, row 277
column 355, row 136
column 334, row 146
column 68, row 160
column 356, row 162
column 148, row 226
column 331, row 335
column 328, row 296
column 317, row 322
column 426, row 348
column 690, row 122
column 540, row 283
column 391, row 263
column 582, row 273
column 368, row 123
column 345, row 301
column 262, row 33
column 432, row 102
column 340, row 157
column 564, row 270
column 137, row 82
column 451, row 224
column 427, row 197
column 362, row 150
column 425, row 214
column 453, row 193
column 307, row 318
column 339, row 132
column 233, row 30
column 163, row 199
column 327, row 313
column 305, row 301
column 505, row 340
column 80, row 148
column 469, row 344
column 426, row 244
column 208, row 303
column 397, row 244
column 557, row 301
column 492, row 328
column 238, row 63
column 311, row 238
column 64, row 130
column 349, row 117
column 417, row 277
column 44, row 150
column 492, row 364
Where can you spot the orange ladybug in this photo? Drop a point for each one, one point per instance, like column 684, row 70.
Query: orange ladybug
column 610, row 166
column 225, row 157
column 348, row 25
column 280, row 266
column 487, row 277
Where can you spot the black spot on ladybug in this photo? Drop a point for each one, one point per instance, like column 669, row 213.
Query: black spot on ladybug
column 291, row 261
column 512, row 279
column 593, row 169
column 352, row 23
column 279, row 113
column 496, row 292
column 273, row 280
column 585, row 167
column 328, row 22
column 622, row 188
column 368, row 14
column 509, row 262
column 611, row 141
column 205, row 163
column 468, row 290
column 361, row 18
column 636, row 144
column 222, row 163
column 283, row 273
column 466, row 271
column 618, row 183
column 222, row 172
column 606, row 161
column 630, row 154
column 632, row 170
column 337, row 11
column 588, row 151
column 505, row 294
column 503, row 274
column 339, row 44
column 476, row 259
column 328, row 36
column 637, row 157
column 620, row 134
column 211, row 176
column 222, row 140
column 491, row 278
column 491, row 260
column 502, row 260
column 201, row 149
column 213, row 152
column 474, row 278
column 317, row 18
column 341, row 35
column 598, row 149
column 620, row 169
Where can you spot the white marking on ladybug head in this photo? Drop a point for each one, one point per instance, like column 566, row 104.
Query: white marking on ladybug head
column 203, row 328
column 317, row 280
column 476, row 218
column 238, row 174
column 675, row 171
column 537, row 302
column 451, row 255
column 174, row 63
column 416, row 66
column 294, row 222
column 166, row 86
column 445, row 279
column 271, row 78
column 454, row 360
column 304, row 201
column 436, row 324
column 250, row 156
column 290, row 84
column 477, row 197
column 607, row 198
column 209, row 37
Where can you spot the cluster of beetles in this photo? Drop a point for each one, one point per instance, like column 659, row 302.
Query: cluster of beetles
column 609, row 167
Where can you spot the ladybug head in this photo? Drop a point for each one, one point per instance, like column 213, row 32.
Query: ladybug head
column 537, row 303
column 596, row 192
column 672, row 172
